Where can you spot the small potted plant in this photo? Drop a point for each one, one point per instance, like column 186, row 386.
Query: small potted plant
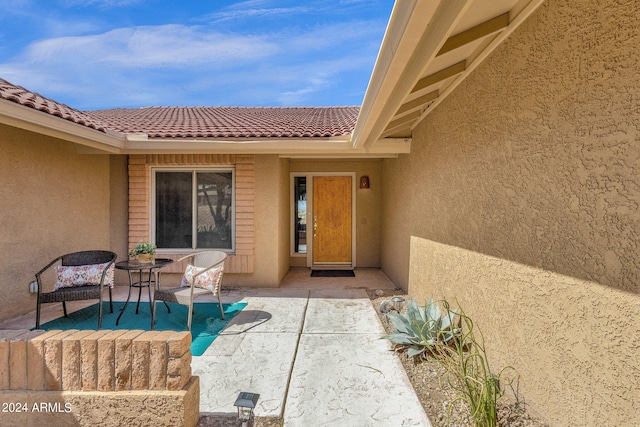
column 144, row 252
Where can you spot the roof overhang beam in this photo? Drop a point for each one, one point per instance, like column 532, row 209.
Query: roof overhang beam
column 429, row 48
column 418, row 102
column 515, row 18
column 479, row 31
column 387, row 89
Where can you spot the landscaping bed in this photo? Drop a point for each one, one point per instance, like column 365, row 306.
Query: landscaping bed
column 428, row 380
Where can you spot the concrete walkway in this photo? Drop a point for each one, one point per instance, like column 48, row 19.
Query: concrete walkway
column 310, row 348
column 315, row 357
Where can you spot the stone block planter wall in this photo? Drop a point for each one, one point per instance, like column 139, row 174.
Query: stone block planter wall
column 106, row 378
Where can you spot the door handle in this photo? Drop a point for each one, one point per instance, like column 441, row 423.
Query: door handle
column 315, row 225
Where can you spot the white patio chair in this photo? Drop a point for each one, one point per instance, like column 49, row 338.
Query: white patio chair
column 203, row 276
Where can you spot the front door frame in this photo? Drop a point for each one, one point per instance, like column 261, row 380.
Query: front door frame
column 309, row 178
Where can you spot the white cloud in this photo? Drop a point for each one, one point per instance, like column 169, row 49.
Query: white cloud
column 296, row 63
column 311, row 80
column 230, row 15
column 161, row 46
column 14, row 7
column 338, row 37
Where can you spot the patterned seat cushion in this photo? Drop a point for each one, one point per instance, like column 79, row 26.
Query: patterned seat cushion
column 208, row 280
column 81, row 275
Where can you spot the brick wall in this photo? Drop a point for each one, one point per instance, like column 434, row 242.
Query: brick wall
column 102, row 360
column 89, row 378
column 242, row 261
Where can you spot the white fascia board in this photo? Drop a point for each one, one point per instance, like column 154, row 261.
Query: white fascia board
column 391, row 145
column 391, row 52
column 140, row 144
column 416, row 32
column 27, row 118
column 346, row 156
column 322, row 147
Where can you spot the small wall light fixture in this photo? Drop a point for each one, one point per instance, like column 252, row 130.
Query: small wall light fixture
column 364, row 181
column 246, row 403
column 397, row 303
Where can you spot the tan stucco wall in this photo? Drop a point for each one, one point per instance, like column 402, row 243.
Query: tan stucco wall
column 268, row 227
column 521, row 197
column 54, row 201
column 368, row 204
column 284, row 218
column 119, row 215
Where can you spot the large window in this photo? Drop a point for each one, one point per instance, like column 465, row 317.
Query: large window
column 194, row 209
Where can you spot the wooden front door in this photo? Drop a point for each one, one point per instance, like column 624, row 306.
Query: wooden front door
column 332, row 220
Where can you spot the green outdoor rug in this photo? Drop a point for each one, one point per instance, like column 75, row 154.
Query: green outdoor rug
column 205, row 327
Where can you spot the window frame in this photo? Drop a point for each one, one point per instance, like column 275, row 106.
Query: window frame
column 194, row 196
column 293, row 219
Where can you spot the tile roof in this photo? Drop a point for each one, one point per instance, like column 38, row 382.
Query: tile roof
column 22, row 96
column 232, row 122
column 199, row 122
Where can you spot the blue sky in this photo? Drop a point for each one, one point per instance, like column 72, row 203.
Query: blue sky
column 95, row 54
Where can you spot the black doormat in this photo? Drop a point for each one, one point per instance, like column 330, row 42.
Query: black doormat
column 332, row 273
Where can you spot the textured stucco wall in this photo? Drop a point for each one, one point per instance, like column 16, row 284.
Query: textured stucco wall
column 267, row 272
column 284, row 219
column 368, row 203
column 119, row 212
column 521, row 197
column 53, row 201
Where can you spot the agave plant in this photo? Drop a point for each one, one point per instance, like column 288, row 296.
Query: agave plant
column 422, row 328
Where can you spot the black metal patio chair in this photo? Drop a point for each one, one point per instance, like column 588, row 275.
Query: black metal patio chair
column 80, row 276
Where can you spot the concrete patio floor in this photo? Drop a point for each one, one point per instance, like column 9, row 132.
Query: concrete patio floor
column 312, row 350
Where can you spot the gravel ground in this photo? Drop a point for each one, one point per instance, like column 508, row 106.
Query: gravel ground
column 428, row 380
column 232, row 421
